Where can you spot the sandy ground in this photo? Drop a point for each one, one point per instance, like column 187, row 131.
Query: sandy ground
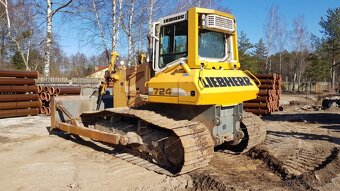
column 31, row 159
column 301, row 152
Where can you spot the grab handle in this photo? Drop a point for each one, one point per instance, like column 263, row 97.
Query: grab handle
column 248, row 72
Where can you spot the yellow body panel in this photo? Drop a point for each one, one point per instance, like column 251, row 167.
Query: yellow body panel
column 202, row 87
column 194, row 60
column 195, row 82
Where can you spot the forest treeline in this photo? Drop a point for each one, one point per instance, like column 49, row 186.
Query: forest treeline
column 29, row 37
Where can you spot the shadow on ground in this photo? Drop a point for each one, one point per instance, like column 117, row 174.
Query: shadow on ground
column 322, row 118
column 306, row 136
column 335, row 128
column 77, row 139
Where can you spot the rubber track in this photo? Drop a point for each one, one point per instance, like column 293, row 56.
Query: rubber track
column 195, row 137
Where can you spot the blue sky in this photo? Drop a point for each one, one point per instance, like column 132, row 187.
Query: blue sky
column 250, row 17
column 251, row 14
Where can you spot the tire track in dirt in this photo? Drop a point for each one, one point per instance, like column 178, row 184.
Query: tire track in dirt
column 235, row 172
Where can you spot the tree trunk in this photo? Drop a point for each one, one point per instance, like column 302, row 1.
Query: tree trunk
column 333, row 76
column 280, row 62
column 116, row 22
column 299, row 80
column 130, row 43
column 14, row 39
column 48, row 40
column 114, row 25
column 102, row 35
column 151, row 14
column 294, row 80
column 333, row 67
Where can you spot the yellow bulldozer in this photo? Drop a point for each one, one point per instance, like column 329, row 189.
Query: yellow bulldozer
column 176, row 109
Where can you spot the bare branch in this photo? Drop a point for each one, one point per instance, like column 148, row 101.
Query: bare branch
column 61, row 7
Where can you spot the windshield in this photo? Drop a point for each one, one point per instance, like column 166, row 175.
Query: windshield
column 173, row 43
column 211, row 44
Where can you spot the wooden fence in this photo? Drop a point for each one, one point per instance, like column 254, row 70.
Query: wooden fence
column 317, row 87
column 64, row 81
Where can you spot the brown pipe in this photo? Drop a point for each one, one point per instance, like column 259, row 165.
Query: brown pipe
column 45, row 89
column 42, row 96
column 47, row 110
column 18, row 112
column 263, row 93
column 42, row 110
column 51, row 90
column 45, row 103
column 40, row 89
column 267, row 86
column 19, row 74
column 18, row 89
column 269, row 76
column 57, row 91
column 258, row 111
column 257, row 105
column 20, row 105
column 18, row 97
column 48, row 97
column 69, row 89
column 17, row 81
column 258, row 100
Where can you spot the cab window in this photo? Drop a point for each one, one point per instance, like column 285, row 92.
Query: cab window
column 173, row 43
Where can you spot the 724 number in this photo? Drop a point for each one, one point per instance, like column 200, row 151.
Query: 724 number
column 161, row 91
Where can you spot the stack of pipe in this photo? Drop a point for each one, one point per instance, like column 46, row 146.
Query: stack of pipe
column 18, row 93
column 46, row 92
column 268, row 99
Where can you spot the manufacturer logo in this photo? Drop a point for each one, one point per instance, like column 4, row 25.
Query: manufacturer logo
column 171, row 19
column 210, row 82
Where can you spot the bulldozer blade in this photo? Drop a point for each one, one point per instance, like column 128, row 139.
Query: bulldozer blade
column 69, row 108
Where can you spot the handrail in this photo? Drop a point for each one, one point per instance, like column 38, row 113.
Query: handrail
column 248, row 72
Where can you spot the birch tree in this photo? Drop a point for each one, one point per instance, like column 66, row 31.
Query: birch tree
column 117, row 18
column 270, row 33
column 300, row 42
column 101, row 24
column 152, row 2
column 280, row 41
column 127, row 27
column 19, row 25
column 50, row 13
column 101, row 29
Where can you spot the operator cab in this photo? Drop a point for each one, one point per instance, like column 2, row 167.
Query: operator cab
column 213, row 42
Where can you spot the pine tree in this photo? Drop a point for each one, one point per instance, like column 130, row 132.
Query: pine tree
column 244, row 44
column 331, row 40
column 260, row 51
column 17, row 61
